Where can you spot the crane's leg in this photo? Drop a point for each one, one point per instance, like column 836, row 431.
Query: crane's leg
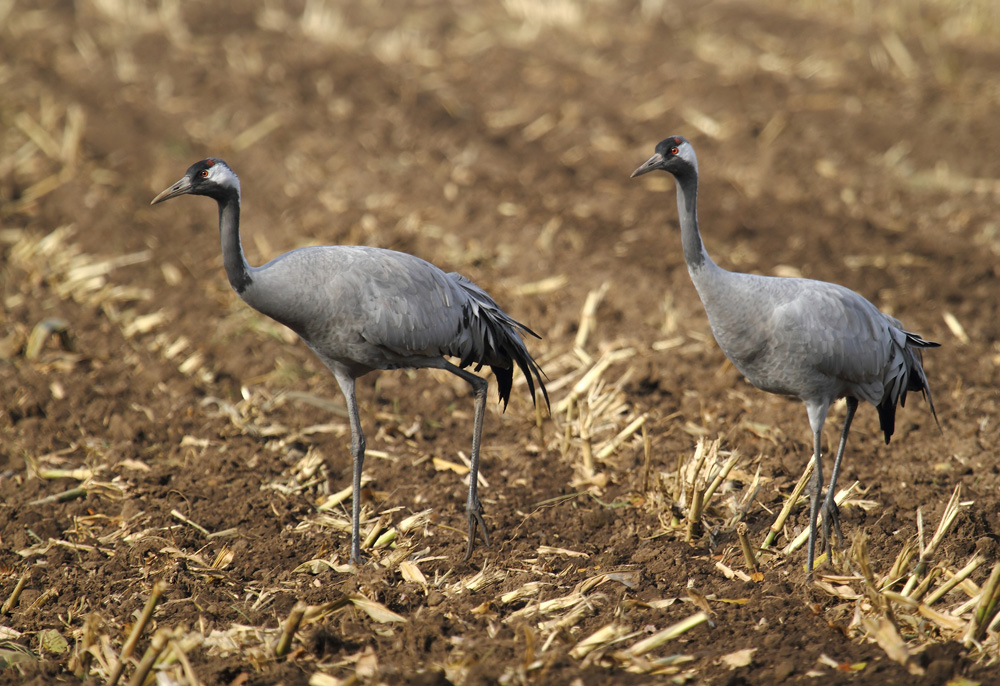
column 831, row 513
column 473, row 508
column 346, row 382
column 817, row 416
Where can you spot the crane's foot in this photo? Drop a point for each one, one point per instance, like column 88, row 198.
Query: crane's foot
column 831, row 517
column 476, row 519
column 811, row 550
column 358, row 558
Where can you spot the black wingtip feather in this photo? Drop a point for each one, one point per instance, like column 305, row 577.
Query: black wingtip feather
column 887, row 417
column 913, row 379
column 501, row 344
column 515, row 352
column 505, row 381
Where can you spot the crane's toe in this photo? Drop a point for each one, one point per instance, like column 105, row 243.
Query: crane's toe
column 358, row 558
column 476, row 519
column 831, row 516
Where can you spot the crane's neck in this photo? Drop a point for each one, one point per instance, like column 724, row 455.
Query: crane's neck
column 237, row 268
column 732, row 303
column 687, row 212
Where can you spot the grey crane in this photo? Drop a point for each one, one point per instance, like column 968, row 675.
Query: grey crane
column 361, row 308
column 810, row 339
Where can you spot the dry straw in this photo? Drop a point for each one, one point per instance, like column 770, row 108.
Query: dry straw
column 159, row 588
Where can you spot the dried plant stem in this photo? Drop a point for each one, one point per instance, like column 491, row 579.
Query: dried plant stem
column 80, row 474
column 16, row 593
column 701, row 497
column 592, row 375
column 926, row 554
column 748, row 553
column 289, row 628
column 694, row 516
column 380, row 525
column 601, row 637
column 586, row 449
column 588, row 317
column 622, row 436
column 721, row 476
column 147, row 613
column 81, row 663
column 962, row 574
column 986, row 608
column 921, row 590
column 45, row 597
column 671, row 632
column 194, row 525
column 335, row 499
column 699, row 458
column 678, row 478
column 71, row 494
column 647, row 452
column 156, row 647
column 698, row 495
column 900, row 564
column 178, row 651
column 540, row 420
column 42, row 331
column 567, row 431
column 779, row 523
column 750, row 494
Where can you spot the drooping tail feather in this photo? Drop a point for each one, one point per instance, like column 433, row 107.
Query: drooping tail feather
column 514, row 347
column 502, row 346
column 910, row 377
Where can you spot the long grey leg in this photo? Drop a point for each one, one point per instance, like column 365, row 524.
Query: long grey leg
column 817, row 416
column 831, row 512
column 473, row 507
column 346, row 382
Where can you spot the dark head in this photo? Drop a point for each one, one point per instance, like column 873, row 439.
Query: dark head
column 211, row 177
column 674, row 155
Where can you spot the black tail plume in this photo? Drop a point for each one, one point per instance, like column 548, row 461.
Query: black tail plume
column 500, row 345
column 910, row 377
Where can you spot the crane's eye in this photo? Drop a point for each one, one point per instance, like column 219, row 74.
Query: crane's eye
column 204, row 173
column 674, row 151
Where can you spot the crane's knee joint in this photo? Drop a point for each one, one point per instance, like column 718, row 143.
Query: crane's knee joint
column 480, row 387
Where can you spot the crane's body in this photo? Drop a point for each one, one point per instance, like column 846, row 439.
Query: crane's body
column 804, row 338
column 813, row 340
column 421, row 313
column 361, row 308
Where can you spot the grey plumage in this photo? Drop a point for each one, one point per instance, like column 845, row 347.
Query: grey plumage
column 810, row 339
column 360, row 309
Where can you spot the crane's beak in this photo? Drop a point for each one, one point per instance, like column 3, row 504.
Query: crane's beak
column 649, row 165
column 180, row 188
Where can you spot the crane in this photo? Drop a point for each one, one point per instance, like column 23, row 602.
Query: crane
column 361, row 308
column 813, row 340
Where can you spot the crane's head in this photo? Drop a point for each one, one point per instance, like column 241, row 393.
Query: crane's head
column 211, row 177
column 674, row 155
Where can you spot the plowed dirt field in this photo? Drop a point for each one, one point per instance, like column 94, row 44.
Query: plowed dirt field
column 155, row 429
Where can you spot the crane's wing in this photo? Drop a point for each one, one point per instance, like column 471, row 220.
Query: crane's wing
column 844, row 336
column 407, row 305
column 495, row 338
column 839, row 333
column 414, row 309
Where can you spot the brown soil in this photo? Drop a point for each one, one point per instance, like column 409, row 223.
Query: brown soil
column 495, row 139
